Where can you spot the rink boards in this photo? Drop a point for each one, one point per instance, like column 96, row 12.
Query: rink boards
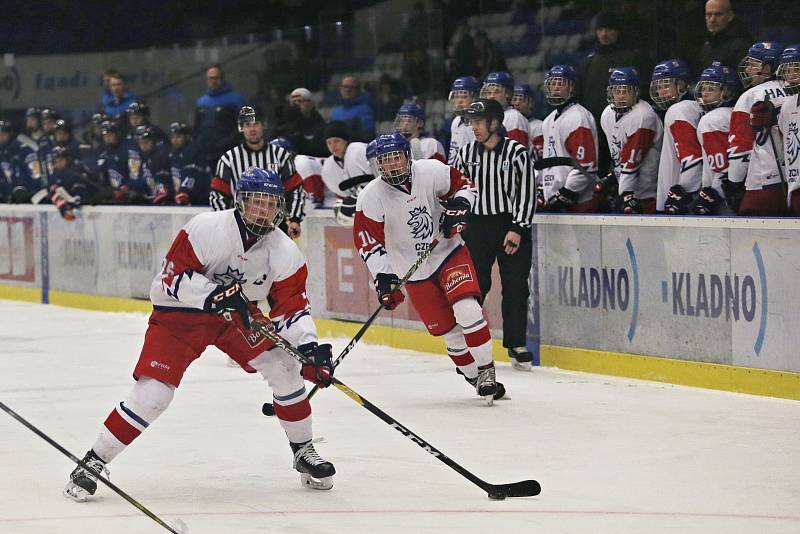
column 701, row 302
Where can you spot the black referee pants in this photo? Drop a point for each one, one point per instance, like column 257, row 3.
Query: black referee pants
column 484, row 237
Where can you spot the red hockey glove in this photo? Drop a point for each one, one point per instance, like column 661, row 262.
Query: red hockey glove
column 182, row 199
column 385, row 284
column 320, row 371
column 763, row 115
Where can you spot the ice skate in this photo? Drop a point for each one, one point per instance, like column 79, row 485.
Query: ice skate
column 315, row 472
column 521, row 359
column 486, row 383
column 501, row 389
column 83, row 483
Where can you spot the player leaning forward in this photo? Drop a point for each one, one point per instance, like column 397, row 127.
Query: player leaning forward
column 199, row 300
column 395, row 222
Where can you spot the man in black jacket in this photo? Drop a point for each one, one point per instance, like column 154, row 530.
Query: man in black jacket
column 303, row 125
column 727, row 40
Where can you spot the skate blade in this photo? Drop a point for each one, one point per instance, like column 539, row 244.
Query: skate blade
column 308, row 481
column 517, row 366
column 75, row 493
column 489, row 399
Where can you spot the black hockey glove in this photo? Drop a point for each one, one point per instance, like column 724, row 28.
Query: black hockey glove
column 388, row 295
column 562, row 200
column 227, row 299
column 455, row 216
column 321, row 371
column 678, row 201
column 607, row 188
column 734, row 192
column 708, row 202
column 541, row 202
column 630, row 204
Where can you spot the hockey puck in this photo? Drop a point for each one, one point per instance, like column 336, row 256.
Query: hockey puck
column 497, row 496
column 267, row 409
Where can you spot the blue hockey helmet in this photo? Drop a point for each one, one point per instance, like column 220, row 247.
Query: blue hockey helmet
column 669, row 82
column 410, row 119
column 259, row 200
column 523, row 98
column 283, row 142
column 789, row 68
column 623, row 89
column 393, row 156
column 559, row 84
column 463, row 92
column 496, row 84
column 760, row 55
column 716, row 86
column 470, row 84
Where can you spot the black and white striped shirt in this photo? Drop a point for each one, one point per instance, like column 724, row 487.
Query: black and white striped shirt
column 233, row 163
column 504, row 178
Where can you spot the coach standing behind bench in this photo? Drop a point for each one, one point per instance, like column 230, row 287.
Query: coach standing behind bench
column 500, row 224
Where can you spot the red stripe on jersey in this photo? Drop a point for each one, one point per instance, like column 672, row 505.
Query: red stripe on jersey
column 367, row 234
column 122, row 430
column 538, row 144
column 288, row 296
column 439, row 156
column 686, row 142
column 293, row 412
column 520, row 136
column 293, row 182
column 635, row 148
column 741, row 135
column 458, row 181
column 580, row 146
column 716, row 143
column 180, row 258
column 220, row 185
column 479, row 337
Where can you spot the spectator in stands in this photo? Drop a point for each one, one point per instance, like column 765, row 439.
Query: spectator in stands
column 727, row 40
column 215, row 116
column 117, row 99
column 139, row 115
column 303, row 125
column 355, row 109
column 461, row 54
column 610, row 51
column 487, row 57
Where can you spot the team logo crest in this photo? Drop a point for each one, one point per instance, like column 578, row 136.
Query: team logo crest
column 421, row 223
column 616, row 150
column 551, row 146
column 793, row 143
column 230, row 276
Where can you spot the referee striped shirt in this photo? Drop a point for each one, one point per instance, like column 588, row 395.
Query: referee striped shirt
column 504, row 178
column 233, row 163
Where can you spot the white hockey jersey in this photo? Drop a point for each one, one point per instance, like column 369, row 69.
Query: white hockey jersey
column 789, row 124
column 460, row 135
column 428, row 148
column 751, row 157
column 354, row 164
column 570, row 132
column 209, row 251
column 712, row 133
column 537, row 138
column 394, row 227
column 681, row 160
column 634, row 140
column 310, row 169
column 517, row 127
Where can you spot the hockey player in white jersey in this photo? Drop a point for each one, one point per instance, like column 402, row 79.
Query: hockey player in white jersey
column 499, row 86
column 309, row 169
column 523, row 101
column 409, row 122
column 634, row 134
column 716, row 93
column 569, row 131
column 752, row 161
column 464, row 90
column 789, row 123
column 345, row 171
column 397, row 218
column 681, row 163
column 218, row 266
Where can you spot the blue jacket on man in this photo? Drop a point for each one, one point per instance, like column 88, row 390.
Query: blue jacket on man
column 118, row 106
column 357, row 113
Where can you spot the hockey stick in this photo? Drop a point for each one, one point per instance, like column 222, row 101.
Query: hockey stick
column 557, row 161
column 524, row 488
column 104, row 480
column 269, row 410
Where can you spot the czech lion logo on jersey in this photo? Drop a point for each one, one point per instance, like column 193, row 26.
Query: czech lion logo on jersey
column 230, row 276
column 793, row 143
column 421, row 223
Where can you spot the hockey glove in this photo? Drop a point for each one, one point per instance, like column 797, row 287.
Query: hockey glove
column 388, row 295
column 182, row 198
column 734, row 192
column 455, row 216
column 345, row 210
column 65, row 202
column 763, row 115
column 678, row 201
column 630, row 204
column 162, row 195
column 20, row 195
column 320, row 371
column 541, row 202
column 562, row 200
column 708, row 202
column 229, row 298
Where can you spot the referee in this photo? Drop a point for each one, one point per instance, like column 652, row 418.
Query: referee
column 256, row 152
column 500, row 224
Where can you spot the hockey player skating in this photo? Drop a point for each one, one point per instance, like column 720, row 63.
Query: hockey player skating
column 715, row 93
column 569, row 130
column 464, row 90
column 409, row 122
column 220, row 263
column 634, row 134
column 524, row 102
column 397, row 217
column 681, row 164
column 789, row 123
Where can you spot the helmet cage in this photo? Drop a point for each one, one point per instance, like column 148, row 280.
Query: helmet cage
column 750, row 62
column 789, row 75
column 725, row 94
column 391, row 168
column 610, row 91
column 489, row 90
column 404, row 124
column 664, row 102
column 261, row 212
column 551, row 82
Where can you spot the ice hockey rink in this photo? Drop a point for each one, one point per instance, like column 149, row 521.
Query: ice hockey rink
column 612, row 455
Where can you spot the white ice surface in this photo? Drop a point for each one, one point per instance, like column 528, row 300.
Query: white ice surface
column 612, row 455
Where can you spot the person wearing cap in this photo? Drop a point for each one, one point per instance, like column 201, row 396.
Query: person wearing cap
column 346, row 171
column 215, row 129
column 500, row 223
column 303, row 125
column 355, row 109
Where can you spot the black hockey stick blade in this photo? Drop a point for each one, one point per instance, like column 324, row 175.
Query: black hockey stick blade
column 524, row 488
column 555, row 161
